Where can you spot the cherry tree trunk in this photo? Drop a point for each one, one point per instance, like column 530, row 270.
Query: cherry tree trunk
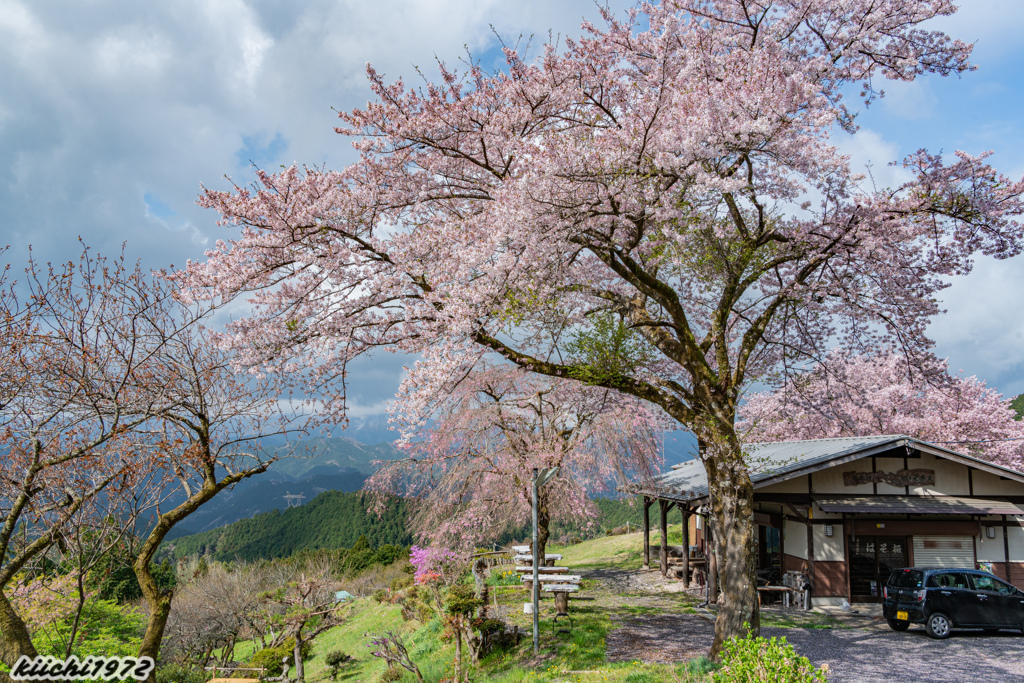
column 732, row 517
column 543, row 530
column 15, row 640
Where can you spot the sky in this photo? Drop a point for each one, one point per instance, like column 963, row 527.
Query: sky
column 112, row 112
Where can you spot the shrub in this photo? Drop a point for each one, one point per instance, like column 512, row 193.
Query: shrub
column 179, row 673
column 753, row 660
column 334, row 659
column 400, row 582
column 270, row 657
column 381, row 595
column 391, row 674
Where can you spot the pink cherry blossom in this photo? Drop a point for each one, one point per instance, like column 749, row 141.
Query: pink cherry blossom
column 859, row 395
column 674, row 169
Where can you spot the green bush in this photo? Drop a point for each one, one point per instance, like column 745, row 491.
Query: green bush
column 758, row 660
column 390, row 675
column 381, row 595
column 270, row 657
column 335, row 659
column 179, row 673
column 400, row 582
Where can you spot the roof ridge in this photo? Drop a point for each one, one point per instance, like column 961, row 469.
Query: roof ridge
column 836, row 438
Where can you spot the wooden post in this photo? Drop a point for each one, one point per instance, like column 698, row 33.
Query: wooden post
column 647, row 532
column 1006, row 549
column 685, row 510
column 663, row 508
column 810, row 555
column 712, row 563
column 561, row 602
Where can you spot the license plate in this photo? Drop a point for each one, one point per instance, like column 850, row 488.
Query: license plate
column 901, row 616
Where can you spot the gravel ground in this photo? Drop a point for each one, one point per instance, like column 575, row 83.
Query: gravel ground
column 859, row 656
column 874, row 654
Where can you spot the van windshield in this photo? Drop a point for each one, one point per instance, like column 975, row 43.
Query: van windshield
column 906, row 578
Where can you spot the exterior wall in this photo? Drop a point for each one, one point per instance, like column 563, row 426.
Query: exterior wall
column 831, row 480
column 828, row 548
column 991, row 549
column 829, row 579
column 892, row 465
column 794, row 539
column 1016, row 572
column 795, row 485
column 986, row 484
column 1016, row 538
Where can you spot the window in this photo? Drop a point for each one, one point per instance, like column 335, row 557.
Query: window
column 991, row 583
column 948, row 580
column 906, row 579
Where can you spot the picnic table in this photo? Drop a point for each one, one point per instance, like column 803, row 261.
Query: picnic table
column 528, row 569
column 774, row 589
column 561, row 592
column 548, row 557
column 548, row 579
column 521, row 549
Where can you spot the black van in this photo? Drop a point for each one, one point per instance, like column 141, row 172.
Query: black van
column 943, row 599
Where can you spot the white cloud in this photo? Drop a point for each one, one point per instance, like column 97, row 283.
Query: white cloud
column 982, row 333
column 913, row 101
column 871, row 155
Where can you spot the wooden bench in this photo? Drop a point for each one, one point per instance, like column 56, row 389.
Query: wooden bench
column 548, row 557
column 774, row 589
column 527, row 569
column 545, row 579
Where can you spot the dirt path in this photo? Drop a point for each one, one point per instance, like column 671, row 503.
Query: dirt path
column 668, row 631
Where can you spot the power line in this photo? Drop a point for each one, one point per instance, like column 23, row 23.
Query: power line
column 1019, row 438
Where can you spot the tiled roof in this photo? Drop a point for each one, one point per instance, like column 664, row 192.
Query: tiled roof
column 771, row 462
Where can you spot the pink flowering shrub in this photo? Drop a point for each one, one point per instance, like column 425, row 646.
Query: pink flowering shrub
column 435, row 565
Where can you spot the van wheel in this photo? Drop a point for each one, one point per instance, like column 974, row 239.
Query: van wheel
column 938, row 626
column 899, row 624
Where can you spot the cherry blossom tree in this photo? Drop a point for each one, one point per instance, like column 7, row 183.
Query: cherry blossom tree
column 75, row 397
column 113, row 400
column 472, row 445
column 655, row 208
column 850, row 394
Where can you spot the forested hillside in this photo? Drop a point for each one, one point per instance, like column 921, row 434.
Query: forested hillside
column 334, row 519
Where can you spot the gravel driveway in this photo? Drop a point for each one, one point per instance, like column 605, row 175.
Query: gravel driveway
column 860, row 656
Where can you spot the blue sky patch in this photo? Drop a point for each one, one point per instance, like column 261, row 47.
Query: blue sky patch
column 255, row 150
column 156, row 207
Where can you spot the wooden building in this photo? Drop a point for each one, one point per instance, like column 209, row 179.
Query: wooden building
column 851, row 510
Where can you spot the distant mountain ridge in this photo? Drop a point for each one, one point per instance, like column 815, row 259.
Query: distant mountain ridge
column 307, row 468
column 333, row 519
column 317, row 464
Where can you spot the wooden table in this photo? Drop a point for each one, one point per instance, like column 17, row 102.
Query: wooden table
column 545, row 579
column 528, row 569
column 561, row 592
column 774, row 589
column 548, row 557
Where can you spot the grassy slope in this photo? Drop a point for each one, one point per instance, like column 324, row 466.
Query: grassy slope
column 582, row 652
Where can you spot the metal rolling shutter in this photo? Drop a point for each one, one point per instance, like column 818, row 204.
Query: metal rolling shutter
column 944, row 551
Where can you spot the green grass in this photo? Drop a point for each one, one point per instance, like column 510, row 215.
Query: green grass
column 577, row 657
